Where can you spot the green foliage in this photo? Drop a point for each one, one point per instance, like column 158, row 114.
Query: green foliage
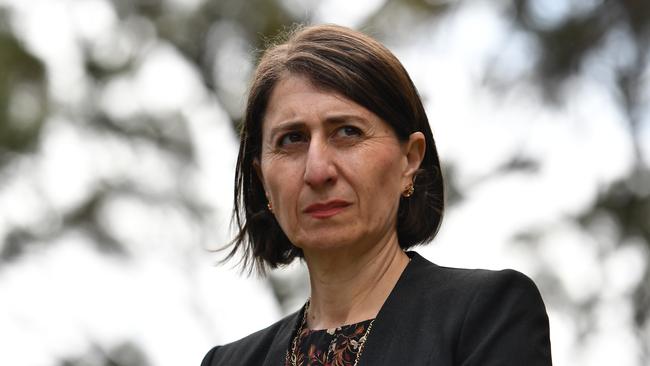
column 22, row 97
column 563, row 48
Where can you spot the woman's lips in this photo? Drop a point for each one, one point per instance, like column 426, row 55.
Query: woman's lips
column 326, row 209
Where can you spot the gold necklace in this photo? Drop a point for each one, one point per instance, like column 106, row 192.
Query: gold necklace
column 291, row 358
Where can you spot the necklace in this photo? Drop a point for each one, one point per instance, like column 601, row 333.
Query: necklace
column 291, row 357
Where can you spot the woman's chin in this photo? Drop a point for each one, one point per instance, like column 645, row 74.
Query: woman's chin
column 328, row 241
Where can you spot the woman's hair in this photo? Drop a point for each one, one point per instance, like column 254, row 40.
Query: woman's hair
column 354, row 65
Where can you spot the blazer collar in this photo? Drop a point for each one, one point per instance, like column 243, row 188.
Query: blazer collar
column 388, row 321
column 278, row 349
column 392, row 330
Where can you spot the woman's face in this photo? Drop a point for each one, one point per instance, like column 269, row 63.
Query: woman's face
column 332, row 170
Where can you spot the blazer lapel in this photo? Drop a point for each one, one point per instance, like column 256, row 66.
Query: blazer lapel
column 278, row 349
column 398, row 327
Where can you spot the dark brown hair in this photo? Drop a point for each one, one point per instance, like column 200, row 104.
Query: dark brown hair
column 352, row 64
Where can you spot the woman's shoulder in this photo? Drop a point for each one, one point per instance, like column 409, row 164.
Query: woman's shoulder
column 464, row 295
column 477, row 316
column 252, row 349
column 470, row 282
column 503, row 317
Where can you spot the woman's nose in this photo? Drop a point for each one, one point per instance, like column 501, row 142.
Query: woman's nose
column 319, row 168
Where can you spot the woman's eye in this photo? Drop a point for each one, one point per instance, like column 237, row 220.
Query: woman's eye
column 348, row 131
column 291, row 138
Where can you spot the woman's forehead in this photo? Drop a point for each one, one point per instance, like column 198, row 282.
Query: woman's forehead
column 296, row 98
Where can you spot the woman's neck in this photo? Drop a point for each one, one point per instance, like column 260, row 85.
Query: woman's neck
column 349, row 287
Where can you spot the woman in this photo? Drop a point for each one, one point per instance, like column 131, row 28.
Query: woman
column 338, row 166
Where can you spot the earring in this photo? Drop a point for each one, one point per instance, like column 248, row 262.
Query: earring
column 269, row 206
column 408, row 192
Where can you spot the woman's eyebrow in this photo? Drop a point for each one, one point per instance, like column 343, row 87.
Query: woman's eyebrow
column 286, row 126
column 344, row 118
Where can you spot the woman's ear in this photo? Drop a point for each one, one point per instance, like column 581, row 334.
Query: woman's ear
column 414, row 151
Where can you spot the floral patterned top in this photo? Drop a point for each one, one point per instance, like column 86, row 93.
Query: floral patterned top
column 330, row 347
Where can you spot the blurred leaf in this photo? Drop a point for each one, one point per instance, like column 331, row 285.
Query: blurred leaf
column 124, row 354
column 169, row 134
column 637, row 13
column 85, row 217
column 453, row 194
column 148, row 8
column 100, row 72
column 22, row 97
column 630, row 210
column 565, row 47
column 187, row 31
column 15, row 244
column 399, row 19
column 519, row 163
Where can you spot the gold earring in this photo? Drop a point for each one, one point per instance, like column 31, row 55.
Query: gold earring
column 269, row 206
column 408, row 192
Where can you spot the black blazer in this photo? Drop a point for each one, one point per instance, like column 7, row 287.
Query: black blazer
column 434, row 316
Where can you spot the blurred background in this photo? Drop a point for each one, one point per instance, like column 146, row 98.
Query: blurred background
column 118, row 139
